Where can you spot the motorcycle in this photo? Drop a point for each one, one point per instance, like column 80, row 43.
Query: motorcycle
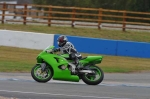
column 60, row 67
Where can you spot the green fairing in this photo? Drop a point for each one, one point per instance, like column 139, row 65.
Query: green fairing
column 55, row 61
column 87, row 60
column 59, row 74
column 91, row 60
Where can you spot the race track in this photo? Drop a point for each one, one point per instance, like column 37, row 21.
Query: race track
column 114, row 86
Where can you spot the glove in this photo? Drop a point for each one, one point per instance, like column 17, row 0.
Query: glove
column 56, row 50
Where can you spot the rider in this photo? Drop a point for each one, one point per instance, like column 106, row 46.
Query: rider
column 66, row 47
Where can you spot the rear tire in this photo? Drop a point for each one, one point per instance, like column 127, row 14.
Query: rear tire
column 38, row 76
column 90, row 79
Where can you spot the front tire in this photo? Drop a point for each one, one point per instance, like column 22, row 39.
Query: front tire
column 93, row 79
column 40, row 76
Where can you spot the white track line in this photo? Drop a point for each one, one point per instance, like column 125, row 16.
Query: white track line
column 51, row 94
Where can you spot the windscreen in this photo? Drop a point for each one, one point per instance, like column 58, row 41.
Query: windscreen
column 48, row 48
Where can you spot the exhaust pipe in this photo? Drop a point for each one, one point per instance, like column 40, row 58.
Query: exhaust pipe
column 86, row 71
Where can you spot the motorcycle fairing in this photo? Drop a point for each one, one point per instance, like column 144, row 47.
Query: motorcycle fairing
column 56, row 61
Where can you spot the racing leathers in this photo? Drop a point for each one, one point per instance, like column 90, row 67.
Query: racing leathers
column 69, row 48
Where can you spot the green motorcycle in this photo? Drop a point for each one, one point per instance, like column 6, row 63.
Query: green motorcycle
column 60, row 67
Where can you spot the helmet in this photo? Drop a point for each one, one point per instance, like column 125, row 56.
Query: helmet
column 62, row 40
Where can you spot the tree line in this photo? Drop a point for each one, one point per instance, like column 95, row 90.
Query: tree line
column 130, row 5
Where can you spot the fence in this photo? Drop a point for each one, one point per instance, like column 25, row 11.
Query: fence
column 73, row 15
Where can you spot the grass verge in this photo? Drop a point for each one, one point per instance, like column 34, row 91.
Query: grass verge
column 86, row 32
column 22, row 60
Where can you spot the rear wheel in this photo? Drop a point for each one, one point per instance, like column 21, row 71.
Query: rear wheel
column 93, row 79
column 40, row 76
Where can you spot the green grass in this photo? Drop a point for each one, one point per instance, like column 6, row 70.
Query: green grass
column 22, row 60
column 85, row 32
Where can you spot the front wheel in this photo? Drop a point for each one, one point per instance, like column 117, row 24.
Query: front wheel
column 40, row 76
column 93, row 79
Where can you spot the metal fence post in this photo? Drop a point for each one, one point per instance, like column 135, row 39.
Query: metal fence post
column 25, row 14
column 3, row 13
column 100, row 18
column 124, row 21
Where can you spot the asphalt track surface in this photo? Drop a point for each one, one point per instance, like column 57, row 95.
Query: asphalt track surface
column 114, row 86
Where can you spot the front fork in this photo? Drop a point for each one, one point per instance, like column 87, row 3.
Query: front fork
column 43, row 66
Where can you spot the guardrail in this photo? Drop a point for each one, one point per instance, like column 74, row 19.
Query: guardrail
column 46, row 13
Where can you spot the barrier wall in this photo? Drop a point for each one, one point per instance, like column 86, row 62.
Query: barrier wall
column 134, row 49
column 25, row 39
column 91, row 45
column 109, row 47
column 86, row 45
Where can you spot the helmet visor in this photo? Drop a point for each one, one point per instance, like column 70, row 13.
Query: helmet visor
column 60, row 44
